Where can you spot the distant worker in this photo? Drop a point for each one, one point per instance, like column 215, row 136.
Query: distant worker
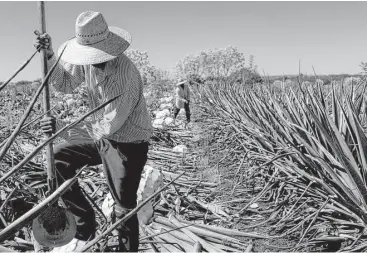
column 182, row 96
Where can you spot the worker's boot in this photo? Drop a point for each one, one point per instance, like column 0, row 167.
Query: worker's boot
column 128, row 232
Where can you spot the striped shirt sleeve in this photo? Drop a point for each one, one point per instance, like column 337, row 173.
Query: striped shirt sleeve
column 66, row 77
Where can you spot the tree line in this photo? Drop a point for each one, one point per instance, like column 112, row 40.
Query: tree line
column 227, row 64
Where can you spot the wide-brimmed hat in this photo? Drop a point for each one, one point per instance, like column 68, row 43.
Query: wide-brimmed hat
column 55, row 227
column 181, row 81
column 94, row 42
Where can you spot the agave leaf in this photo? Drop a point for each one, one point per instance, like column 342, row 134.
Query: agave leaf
column 361, row 139
column 275, row 126
column 301, row 107
column 349, row 135
column 350, row 163
column 310, row 177
column 341, row 180
column 359, row 100
column 334, row 107
column 340, row 177
column 341, row 149
column 321, row 95
column 320, row 148
column 322, row 117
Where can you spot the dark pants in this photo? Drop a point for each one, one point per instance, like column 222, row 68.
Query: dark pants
column 187, row 110
column 123, row 165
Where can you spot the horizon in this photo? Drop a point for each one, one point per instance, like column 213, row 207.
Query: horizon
column 325, row 35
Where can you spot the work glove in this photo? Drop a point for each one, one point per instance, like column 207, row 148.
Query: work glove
column 43, row 41
column 48, row 125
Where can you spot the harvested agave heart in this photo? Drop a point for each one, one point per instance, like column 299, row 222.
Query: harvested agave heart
column 55, row 227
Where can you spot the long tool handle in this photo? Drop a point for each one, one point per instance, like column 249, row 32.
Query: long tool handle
column 51, row 179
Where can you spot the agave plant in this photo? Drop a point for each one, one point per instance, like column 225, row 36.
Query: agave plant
column 314, row 138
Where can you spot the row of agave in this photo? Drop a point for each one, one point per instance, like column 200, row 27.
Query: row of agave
column 312, row 140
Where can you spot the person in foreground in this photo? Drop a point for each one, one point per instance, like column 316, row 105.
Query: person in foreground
column 117, row 136
column 182, row 96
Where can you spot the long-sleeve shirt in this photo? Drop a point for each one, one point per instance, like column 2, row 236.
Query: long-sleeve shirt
column 181, row 96
column 126, row 119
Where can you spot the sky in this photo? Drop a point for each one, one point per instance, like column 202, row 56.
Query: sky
column 329, row 36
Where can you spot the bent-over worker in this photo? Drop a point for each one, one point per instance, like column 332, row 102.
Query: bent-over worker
column 117, row 135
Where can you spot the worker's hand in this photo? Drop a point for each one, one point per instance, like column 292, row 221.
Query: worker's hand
column 43, row 41
column 48, row 125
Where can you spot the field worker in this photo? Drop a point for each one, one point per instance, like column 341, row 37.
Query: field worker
column 182, row 96
column 117, row 135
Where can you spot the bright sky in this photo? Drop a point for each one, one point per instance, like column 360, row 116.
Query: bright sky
column 331, row 36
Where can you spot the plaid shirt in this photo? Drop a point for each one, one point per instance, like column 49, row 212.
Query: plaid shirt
column 124, row 120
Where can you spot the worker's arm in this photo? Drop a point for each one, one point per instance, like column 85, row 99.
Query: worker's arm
column 65, row 77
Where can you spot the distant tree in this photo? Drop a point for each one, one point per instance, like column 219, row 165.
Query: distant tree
column 38, row 80
column 319, row 82
column 306, row 83
column 190, row 65
column 35, row 84
column 196, row 78
column 363, row 66
column 246, row 76
column 216, row 63
column 140, row 59
column 327, row 81
column 23, row 82
column 228, row 60
column 352, row 80
column 157, row 74
column 252, row 67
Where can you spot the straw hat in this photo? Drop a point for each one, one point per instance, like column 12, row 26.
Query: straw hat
column 94, row 41
column 181, row 81
column 55, row 227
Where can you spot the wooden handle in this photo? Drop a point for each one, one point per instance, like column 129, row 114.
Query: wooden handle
column 46, row 102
